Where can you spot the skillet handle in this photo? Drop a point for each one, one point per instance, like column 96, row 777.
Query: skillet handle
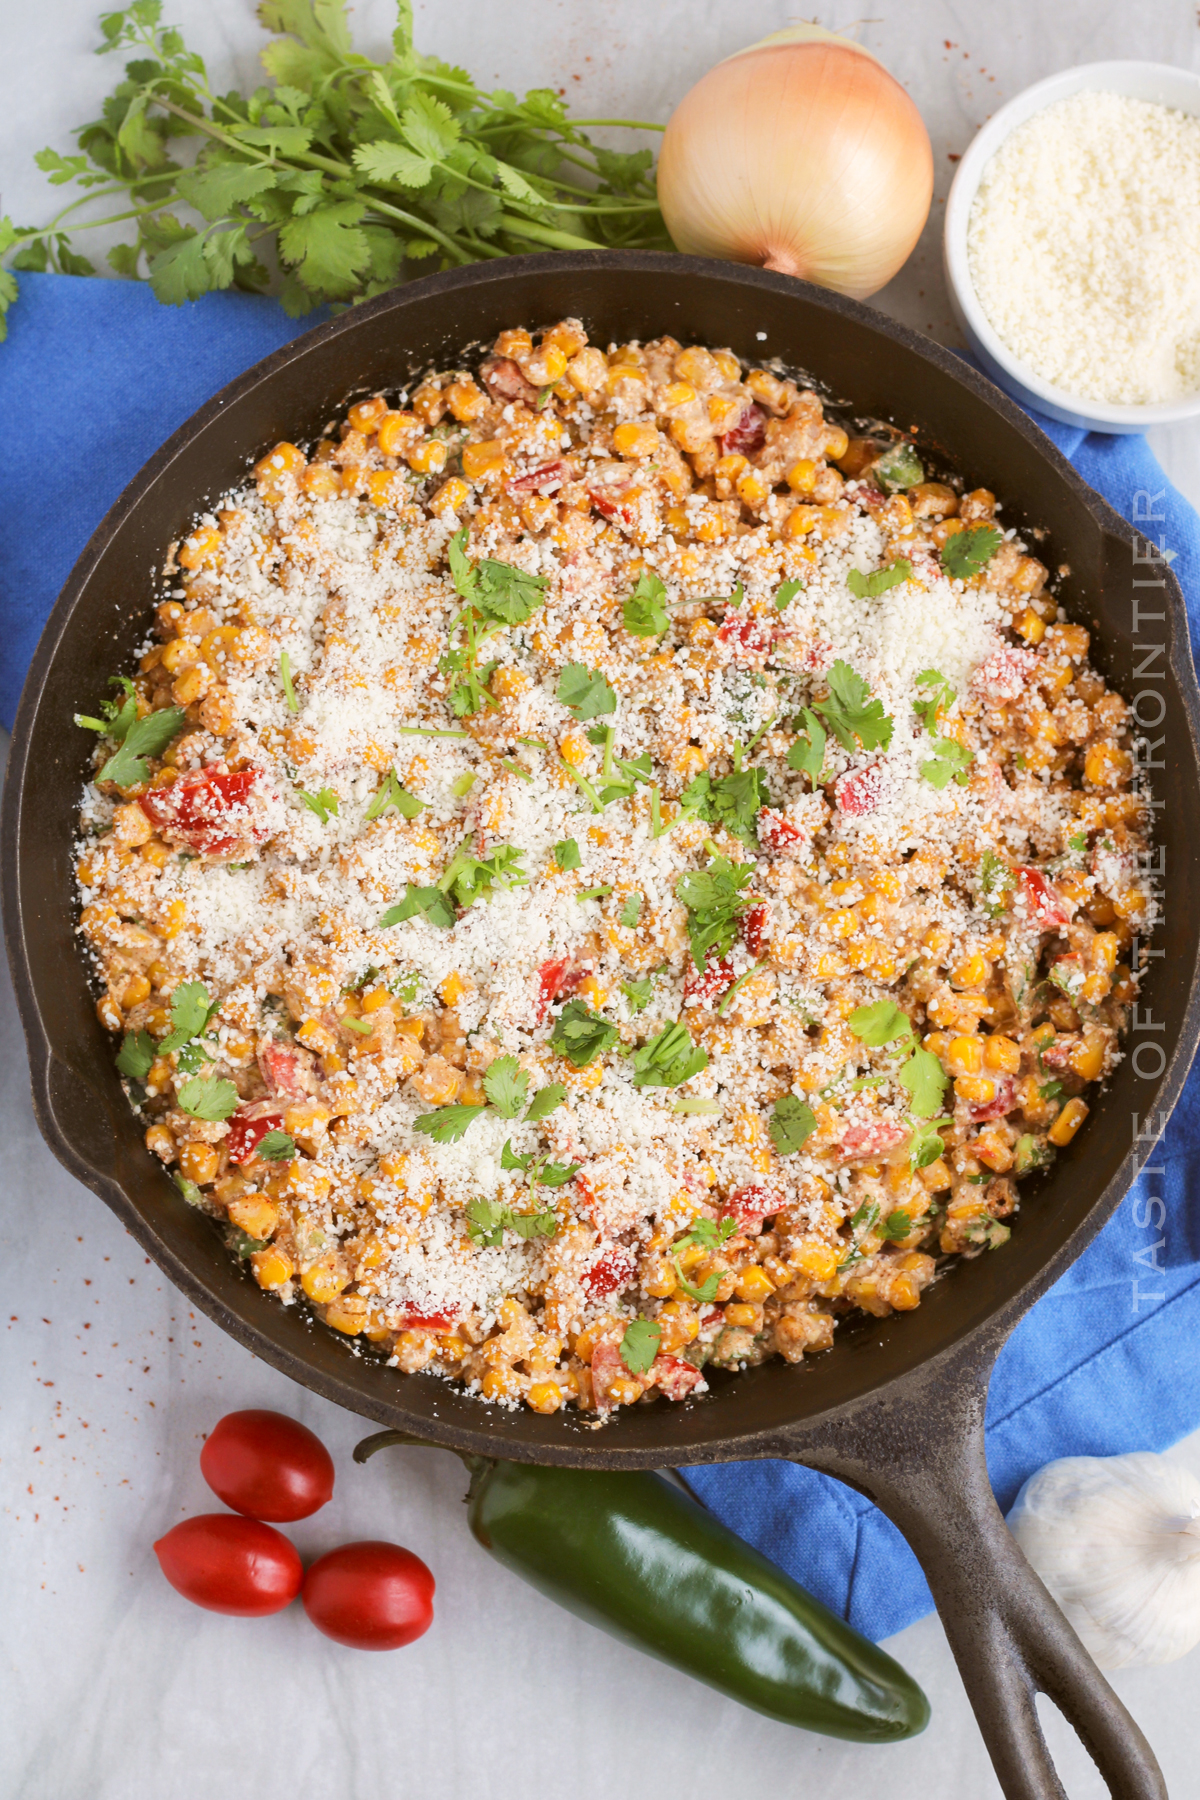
column 921, row 1459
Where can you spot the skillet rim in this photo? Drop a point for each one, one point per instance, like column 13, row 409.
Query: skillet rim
column 977, row 1343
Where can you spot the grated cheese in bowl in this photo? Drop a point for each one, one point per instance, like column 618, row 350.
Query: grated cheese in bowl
column 1083, row 245
column 599, row 875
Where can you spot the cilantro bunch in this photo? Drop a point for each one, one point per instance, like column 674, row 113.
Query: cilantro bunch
column 348, row 172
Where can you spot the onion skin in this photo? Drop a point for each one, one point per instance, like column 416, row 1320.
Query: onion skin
column 802, row 155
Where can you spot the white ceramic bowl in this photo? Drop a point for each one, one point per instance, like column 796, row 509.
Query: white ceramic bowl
column 1158, row 82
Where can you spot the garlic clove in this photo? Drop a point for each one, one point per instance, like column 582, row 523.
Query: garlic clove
column 1117, row 1541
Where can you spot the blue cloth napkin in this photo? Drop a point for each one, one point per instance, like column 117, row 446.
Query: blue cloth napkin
column 96, row 375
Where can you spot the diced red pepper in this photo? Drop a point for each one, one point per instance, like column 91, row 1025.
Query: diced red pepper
column 423, row 1321
column 543, row 480
column 703, row 986
column 747, row 434
column 209, row 812
column 753, row 927
column 504, row 381
column 675, row 1377
column 611, row 1272
column 1057, row 1055
column 778, row 834
column 858, row 792
column 752, row 1204
column 1043, row 902
column 555, row 978
column 748, row 634
column 606, row 1367
column 1004, row 674
column 617, row 504
column 875, row 1139
column 246, row 1132
column 286, row 1068
column 1003, row 1102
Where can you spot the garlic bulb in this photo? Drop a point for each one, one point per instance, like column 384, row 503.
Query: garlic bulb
column 1116, row 1539
column 801, row 154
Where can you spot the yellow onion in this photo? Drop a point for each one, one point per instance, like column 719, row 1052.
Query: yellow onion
column 801, row 154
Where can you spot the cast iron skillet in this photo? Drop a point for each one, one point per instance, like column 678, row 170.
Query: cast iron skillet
column 896, row 1408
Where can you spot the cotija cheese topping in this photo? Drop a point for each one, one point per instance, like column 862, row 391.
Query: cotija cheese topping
column 600, row 875
column 1084, row 247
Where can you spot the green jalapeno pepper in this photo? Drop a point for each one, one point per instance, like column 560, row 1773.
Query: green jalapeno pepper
column 640, row 1558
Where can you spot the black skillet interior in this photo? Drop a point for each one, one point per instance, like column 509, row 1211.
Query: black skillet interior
column 858, row 357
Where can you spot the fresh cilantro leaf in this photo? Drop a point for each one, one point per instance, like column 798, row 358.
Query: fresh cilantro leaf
column 117, row 716
column 448, row 1123
column 864, row 1219
column 566, row 854
column 925, row 1080
column 191, row 1059
column 897, row 1225
column 506, row 1085
column 510, row 1160
column 192, row 1009
column 643, row 613
column 669, row 1059
column 136, row 1054
column 285, row 678
column 485, row 1222
column 1050, row 1090
column 792, row 1123
column 639, row 1346
column 995, row 880
column 530, row 1225
column 925, row 1145
column 324, row 803
column 787, row 593
column 581, row 1035
column 935, row 695
column 391, row 793
column 505, row 594
column 631, row 911
column 421, row 902
column 545, row 1101
column 637, row 993
column 967, row 552
column 881, row 1023
column 714, row 901
column 277, row 1146
column 1077, row 842
column 852, row 716
column 145, row 737
column 712, row 1237
column 552, row 1174
column 732, row 801
column 898, row 468
column 468, row 878
column 585, row 692
column 869, row 587
column 208, row 1099
column 807, row 754
column 951, row 761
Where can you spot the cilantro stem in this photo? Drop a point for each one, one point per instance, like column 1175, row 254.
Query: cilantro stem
column 584, row 785
column 740, row 982
column 428, row 731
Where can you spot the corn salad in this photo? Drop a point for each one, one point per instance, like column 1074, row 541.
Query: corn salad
column 600, row 875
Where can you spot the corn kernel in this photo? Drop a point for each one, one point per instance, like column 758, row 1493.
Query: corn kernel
column 636, row 441
column 802, row 476
column 272, row 1268
column 160, row 1141
column 322, row 1281
column 544, row 1396
column 1068, row 1122
column 483, row 461
column 813, row 1257
column 965, row 1056
column 429, row 457
column 452, row 989
column 754, row 1284
column 972, row 972
column 1002, row 1054
column 1030, row 626
column 198, row 1162
column 254, row 1214
column 978, row 1090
